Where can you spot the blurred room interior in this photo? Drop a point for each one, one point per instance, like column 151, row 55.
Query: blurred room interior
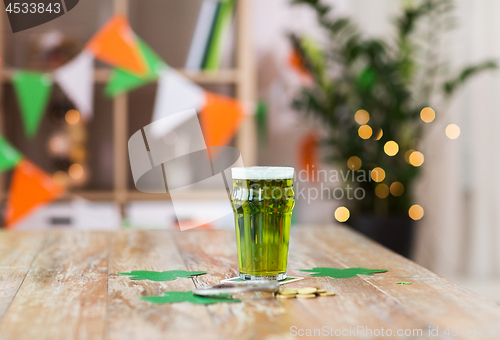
column 458, row 189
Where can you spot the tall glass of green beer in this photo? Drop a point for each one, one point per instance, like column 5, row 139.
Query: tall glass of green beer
column 262, row 200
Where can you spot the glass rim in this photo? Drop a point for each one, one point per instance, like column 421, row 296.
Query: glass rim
column 262, row 172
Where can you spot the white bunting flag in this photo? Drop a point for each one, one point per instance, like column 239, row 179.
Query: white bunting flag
column 76, row 79
column 175, row 93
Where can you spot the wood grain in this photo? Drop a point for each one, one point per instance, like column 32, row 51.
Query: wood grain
column 64, row 293
column 429, row 297
column 215, row 252
column 68, row 288
column 132, row 318
column 17, row 251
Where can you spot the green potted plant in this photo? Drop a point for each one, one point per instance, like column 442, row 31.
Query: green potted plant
column 372, row 98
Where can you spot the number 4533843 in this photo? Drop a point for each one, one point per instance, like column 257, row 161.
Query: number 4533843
column 25, row 7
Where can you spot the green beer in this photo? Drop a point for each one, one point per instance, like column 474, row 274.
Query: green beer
column 262, row 200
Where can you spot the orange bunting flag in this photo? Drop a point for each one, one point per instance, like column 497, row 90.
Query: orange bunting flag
column 117, row 45
column 308, row 155
column 30, row 189
column 220, row 119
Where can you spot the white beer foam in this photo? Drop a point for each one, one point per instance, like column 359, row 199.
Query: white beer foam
column 262, row 172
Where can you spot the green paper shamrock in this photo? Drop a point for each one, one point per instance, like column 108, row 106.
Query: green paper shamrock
column 341, row 273
column 168, row 275
column 173, row 297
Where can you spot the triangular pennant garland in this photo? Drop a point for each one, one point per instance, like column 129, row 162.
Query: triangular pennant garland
column 122, row 81
column 30, row 188
column 76, row 79
column 117, row 45
column 308, row 154
column 9, row 156
column 175, row 93
column 220, row 118
column 33, row 92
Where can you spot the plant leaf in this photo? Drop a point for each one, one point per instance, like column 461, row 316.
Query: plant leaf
column 450, row 86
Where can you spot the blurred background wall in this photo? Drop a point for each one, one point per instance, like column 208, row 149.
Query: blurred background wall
column 459, row 188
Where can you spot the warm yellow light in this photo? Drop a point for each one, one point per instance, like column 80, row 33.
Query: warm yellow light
column 397, row 189
column 391, row 148
column 416, row 212
column 382, row 190
column 452, row 131
column 77, row 154
column 407, row 155
column 416, row 158
column 60, row 177
column 427, row 114
column 379, row 135
column 72, row 117
column 76, row 171
column 378, row 174
column 342, row 214
column 365, row 131
column 362, row 117
column 354, row 163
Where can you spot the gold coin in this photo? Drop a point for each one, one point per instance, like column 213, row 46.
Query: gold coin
column 288, row 291
column 280, row 296
column 320, row 290
column 327, row 294
column 306, row 296
column 307, row 290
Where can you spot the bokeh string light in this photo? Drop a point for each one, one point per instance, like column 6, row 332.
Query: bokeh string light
column 407, row 155
column 379, row 134
column 362, row 117
column 391, row 148
column 378, row 174
column 382, row 190
column 342, row 214
column 427, row 114
column 76, row 171
column 452, row 131
column 354, row 163
column 397, row 189
column 416, row 158
column 365, row 131
column 72, row 117
column 416, row 212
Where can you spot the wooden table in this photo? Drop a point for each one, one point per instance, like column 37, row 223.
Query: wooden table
column 63, row 285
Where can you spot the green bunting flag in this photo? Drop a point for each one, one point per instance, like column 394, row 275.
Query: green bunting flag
column 122, row 81
column 9, row 156
column 33, row 92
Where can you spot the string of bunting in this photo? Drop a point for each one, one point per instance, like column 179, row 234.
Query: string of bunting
column 134, row 64
column 26, row 178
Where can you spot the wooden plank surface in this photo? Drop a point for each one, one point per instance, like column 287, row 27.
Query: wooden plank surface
column 64, row 293
column 64, row 285
column 215, row 252
column 132, row 318
column 17, row 252
column 429, row 296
